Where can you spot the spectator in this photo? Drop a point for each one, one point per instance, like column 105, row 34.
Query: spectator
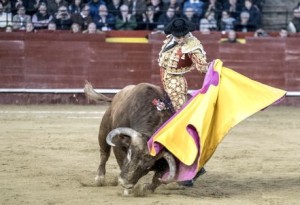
column 75, row 7
column 20, row 19
column 94, row 7
column 63, row 19
column 137, row 8
column 234, row 7
column 204, row 30
column 166, row 18
column 15, row 4
column 104, row 21
column 294, row 24
column 75, row 28
column 209, row 22
column 214, row 6
column 126, row 21
column 254, row 13
column 260, row 33
column 259, row 4
column 92, row 29
column 197, row 5
column 175, row 4
column 243, row 24
column 53, row 6
column 32, row 6
column 41, row 18
column 283, row 33
column 6, row 6
column 190, row 15
column 29, row 27
column 226, row 22
column 51, row 26
column 158, row 7
column 231, row 37
column 5, row 17
column 83, row 18
column 8, row 29
column 114, row 7
column 149, row 19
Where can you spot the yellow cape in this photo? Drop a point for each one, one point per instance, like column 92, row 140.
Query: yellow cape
column 225, row 99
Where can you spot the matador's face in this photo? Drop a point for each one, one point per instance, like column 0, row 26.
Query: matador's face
column 180, row 40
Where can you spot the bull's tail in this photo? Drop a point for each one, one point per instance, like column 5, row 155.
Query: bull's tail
column 91, row 94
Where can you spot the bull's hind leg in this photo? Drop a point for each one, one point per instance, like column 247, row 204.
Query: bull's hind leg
column 104, row 155
column 104, row 150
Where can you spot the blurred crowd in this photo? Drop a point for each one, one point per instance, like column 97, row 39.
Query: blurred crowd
column 92, row 16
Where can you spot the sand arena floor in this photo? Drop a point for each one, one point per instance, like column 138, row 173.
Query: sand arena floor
column 49, row 155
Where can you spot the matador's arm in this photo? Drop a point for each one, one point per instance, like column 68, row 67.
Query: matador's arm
column 198, row 58
column 196, row 53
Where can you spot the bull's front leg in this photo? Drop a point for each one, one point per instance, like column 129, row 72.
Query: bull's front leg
column 156, row 182
column 143, row 189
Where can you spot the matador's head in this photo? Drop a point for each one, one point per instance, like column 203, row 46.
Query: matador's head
column 179, row 27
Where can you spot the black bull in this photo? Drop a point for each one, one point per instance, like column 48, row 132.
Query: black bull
column 128, row 123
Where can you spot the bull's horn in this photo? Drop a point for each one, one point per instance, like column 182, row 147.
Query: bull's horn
column 136, row 137
column 172, row 167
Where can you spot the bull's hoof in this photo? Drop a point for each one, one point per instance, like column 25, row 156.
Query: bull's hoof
column 100, row 180
column 127, row 192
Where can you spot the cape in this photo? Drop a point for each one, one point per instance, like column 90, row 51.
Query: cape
column 193, row 133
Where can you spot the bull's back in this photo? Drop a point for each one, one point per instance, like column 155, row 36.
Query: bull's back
column 133, row 107
column 131, row 95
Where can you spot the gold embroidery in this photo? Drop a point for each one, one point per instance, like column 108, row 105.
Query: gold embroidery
column 169, row 59
column 191, row 44
column 172, row 75
column 176, row 87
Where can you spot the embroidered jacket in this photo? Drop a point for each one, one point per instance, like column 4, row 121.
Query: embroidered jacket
column 180, row 59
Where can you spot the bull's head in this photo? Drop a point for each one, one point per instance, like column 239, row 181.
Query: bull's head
column 138, row 161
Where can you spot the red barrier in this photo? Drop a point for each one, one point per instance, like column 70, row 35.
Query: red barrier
column 65, row 60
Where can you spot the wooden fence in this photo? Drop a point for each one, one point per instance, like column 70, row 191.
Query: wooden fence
column 65, row 60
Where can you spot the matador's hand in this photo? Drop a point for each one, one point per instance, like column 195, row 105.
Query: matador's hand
column 209, row 64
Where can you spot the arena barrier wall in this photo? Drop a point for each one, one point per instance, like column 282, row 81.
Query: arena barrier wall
column 52, row 67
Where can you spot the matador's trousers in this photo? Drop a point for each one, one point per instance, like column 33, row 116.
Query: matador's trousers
column 176, row 87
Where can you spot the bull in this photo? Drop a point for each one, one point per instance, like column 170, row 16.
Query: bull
column 127, row 124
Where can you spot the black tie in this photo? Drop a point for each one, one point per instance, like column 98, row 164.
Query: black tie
column 168, row 47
